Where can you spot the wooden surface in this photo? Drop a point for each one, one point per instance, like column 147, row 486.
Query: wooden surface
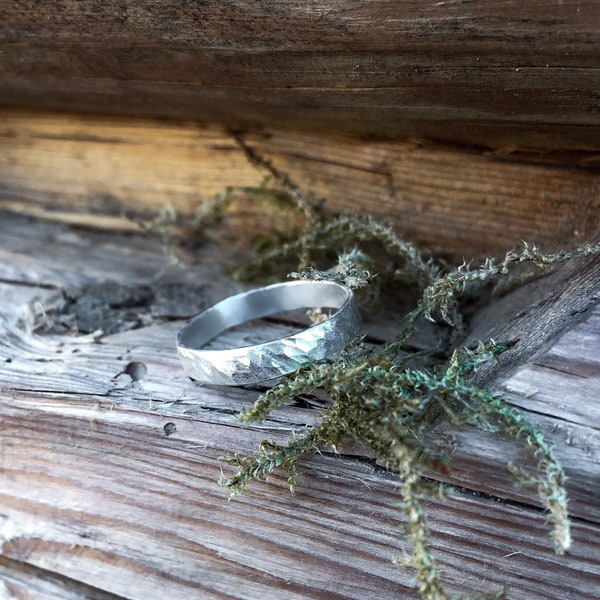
column 452, row 201
column 97, row 501
column 496, row 73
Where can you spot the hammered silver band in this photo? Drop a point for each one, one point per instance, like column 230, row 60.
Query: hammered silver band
column 272, row 359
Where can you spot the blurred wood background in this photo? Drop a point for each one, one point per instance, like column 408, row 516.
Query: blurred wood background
column 466, row 125
column 454, row 201
column 497, row 73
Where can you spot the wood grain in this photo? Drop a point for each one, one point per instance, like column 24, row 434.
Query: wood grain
column 451, row 201
column 25, row 582
column 97, row 491
column 99, row 502
column 491, row 73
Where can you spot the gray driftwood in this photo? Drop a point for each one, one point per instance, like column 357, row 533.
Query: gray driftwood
column 108, row 485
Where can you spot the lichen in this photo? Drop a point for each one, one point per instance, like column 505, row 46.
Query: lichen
column 388, row 397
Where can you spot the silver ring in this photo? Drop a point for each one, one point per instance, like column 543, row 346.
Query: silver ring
column 269, row 360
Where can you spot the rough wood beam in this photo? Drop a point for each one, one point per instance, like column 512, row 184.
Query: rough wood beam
column 453, row 201
column 494, row 73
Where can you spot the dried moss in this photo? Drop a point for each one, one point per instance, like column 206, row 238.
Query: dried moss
column 385, row 397
column 377, row 399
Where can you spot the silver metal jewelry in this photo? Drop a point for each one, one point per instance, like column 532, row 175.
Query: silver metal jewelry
column 269, row 360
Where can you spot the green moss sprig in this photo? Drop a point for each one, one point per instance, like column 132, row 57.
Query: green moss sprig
column 378, row 399
column 387, row 398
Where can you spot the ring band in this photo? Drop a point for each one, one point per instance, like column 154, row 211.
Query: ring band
column 269, row 360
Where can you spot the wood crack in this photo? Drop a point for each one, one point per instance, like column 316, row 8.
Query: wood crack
column 558, row 369
column 32, row 284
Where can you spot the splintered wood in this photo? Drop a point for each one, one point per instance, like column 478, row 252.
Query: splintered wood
column 108, row 482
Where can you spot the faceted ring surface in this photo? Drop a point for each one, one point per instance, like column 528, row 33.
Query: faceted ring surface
column 269, row 360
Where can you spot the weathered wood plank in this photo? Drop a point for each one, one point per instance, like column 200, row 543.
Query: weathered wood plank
column 94, row 491
column 52, row 367
column 490, row 73
column 457, row 203
column 89, row 363
column 564, row 373
column 468, row 203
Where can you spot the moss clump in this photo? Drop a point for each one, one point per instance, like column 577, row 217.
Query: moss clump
column 380, row 399
column 385, row 397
